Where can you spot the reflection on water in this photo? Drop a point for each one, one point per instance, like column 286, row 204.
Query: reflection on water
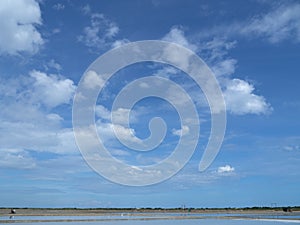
column 177, row 222
column 158, row 219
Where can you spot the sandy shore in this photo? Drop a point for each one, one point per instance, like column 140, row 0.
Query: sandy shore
column 99, row 212
column 101, row 215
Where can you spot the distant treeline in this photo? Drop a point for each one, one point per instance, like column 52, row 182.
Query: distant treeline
column 284, row 208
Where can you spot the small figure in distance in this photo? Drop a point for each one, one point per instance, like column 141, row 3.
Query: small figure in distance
column 287, row 209
column 12, row 211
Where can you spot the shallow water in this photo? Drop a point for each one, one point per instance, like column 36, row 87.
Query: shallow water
column 176, row 222
column 158, row 219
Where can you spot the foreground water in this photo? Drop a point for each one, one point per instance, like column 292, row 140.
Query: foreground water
column 157, row 219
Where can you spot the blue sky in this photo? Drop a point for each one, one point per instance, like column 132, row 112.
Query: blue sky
column 253, row 48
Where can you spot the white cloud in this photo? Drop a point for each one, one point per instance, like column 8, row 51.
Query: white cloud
column 240, row 99
column 119, row 43
column 92, row 80
column 225, row 169
column 102, row 112
column 225, row 67
column 100, row 33
column 122, row 115
column 18, row 20
column 216, row 49
column 56, row 31
column 24, row 124
column 86, row 9
column 291, row 147
column 54, row 117
column 176, row 35
column 53, row 64
column 167, row 72
column 215, row 53
column 144, row 85
column 278, row 25
column 119, row 152
column 64, row 142
column 112, row 30
column 181, row 132
column 127, row 134
column 40, row 134
column 16, row 158
column 58, row 6
column 52, row 90
column 239, row 94
column 107, row 131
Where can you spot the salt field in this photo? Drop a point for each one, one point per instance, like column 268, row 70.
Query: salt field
column 157, row 219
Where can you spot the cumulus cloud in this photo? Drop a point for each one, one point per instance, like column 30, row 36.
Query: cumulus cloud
column 239, row 95
column 225, row 169
column 102, row 112
column 240, row 99
column 176, row 35
column 180, row 132
column 26, row 125
column 64, row 142
column 120, row 114
column 92, row 80
column 18, row 25
column 106, row 131
column 52, row 90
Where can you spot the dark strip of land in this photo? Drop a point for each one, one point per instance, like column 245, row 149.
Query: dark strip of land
column 105, row 211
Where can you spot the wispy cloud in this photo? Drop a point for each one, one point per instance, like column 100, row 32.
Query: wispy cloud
column 58, row 6
column 16, row 158
column 275, row 26
column 281, row 23
column 101, row 32
column 52, row 64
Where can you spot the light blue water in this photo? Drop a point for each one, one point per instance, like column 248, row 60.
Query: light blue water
column 157, row 219
column 154, row 215
column 174, row 222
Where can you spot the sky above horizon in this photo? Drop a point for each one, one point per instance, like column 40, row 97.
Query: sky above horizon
column 253, row 48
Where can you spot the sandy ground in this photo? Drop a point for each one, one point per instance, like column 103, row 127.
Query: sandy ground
column 121, row 215
column 99, row 212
